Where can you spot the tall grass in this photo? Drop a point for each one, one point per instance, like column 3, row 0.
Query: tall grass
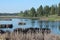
column 28, row 36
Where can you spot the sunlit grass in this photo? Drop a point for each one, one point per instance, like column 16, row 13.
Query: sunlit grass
column 54, row 18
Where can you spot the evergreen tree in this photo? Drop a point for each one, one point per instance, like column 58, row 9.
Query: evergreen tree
column 26, row 13
column 59, row 10
column 52, row 11
column 32, row 12
column 40, row 11
column 46, row 10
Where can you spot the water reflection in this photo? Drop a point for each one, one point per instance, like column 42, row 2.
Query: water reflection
column 59, row 25
column 46, row 23
column 53, row 25
column 40, row 23
column 32, row 23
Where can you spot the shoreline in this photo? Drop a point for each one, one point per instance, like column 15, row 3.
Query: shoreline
column 52, row 18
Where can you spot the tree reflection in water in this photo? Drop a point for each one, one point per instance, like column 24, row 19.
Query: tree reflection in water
column 32, row 22
column 52, row 24
column 40, row 23
column 46, row 23
column 59, row 25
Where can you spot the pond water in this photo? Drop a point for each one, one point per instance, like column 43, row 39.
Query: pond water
column 53, row 25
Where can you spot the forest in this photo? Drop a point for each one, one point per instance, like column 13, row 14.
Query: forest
column 41, row 11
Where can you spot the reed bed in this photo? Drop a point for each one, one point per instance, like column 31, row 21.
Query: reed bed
column 28, row 36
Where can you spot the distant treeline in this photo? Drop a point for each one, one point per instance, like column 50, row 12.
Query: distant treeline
column 41, row 11
column 8, row 14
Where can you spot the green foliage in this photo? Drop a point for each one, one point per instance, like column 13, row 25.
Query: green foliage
column 32, row 12
column 59, row 10
column 46, row 10
column 41, row 11
column 26, row 13
column 52, row 11
column 21, row 14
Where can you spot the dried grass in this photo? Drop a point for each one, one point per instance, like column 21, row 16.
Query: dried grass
column 28, row 36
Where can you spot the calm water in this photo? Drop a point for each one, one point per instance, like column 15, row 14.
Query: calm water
column 53, row 25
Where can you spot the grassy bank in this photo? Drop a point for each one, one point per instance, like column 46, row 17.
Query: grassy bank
column 49, row 18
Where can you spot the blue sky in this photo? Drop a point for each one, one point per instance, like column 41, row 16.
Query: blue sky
column 12, row 6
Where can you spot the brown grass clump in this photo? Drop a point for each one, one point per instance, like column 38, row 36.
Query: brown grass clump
column 29, row 36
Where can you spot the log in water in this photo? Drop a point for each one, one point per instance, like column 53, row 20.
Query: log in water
column 6, row 25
